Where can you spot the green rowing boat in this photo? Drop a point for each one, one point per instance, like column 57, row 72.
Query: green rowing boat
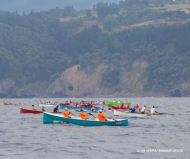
column 117, row 103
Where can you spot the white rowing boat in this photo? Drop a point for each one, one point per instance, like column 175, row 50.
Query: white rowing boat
column 128, row 113
column 46, row 105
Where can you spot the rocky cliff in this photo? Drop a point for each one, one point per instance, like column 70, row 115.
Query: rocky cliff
column 77, row 82
column 6, row 88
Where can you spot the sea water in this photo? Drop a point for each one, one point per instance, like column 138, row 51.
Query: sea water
column 24, row 136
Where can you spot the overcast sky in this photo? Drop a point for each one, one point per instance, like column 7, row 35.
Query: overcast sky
column 39, row 5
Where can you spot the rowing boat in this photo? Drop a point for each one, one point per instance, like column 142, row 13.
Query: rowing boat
column 61, row 107
column 46, row 105
column 57, row 118
column 119, row 108
column 118, row 103
column 14, row 103
column 23, row 110
column 85, row 110
column 128, row 113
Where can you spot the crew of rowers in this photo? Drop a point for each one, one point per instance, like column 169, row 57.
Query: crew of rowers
column 100, row 115
column 144, row 110
column 83, row 103
column 84, row 116
column 66, row 114
column 48, row 102
column 11, row 103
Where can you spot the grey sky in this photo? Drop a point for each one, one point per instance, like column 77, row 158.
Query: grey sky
column 39, row 5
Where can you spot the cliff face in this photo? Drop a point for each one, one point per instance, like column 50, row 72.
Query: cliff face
column 76, row 82
column 6, row 88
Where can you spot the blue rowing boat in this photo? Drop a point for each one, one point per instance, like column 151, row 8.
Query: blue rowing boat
column 85, row 110
column 57, row 118
column 61, row 107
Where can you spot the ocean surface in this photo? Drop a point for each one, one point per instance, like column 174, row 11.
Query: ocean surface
column 24, row 136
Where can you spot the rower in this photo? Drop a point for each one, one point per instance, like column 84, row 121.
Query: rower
column 133, row 110
column 101, row 116
column 144, row 109
column 83, row 115
column 32, row 108
column 43, row 109
column 93, row 109
column 153, row 111
column 128, row 106
column 137, row 107
column 122, row 106
column 66, row 114
column 56, row 109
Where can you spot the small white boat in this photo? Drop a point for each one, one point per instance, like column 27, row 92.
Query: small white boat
column 46, row 105
column 128, row 113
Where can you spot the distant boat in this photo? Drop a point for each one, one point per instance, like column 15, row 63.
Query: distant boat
column 128, row 113
column 57, row 118
column 61, row 107
column 85, row 110
column 119, row 108
column 46, row 105
column 13, row 103
column 117, row 103
column 24, row 111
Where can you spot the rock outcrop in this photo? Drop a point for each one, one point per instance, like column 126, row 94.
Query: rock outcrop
column 75, row 82
column 6, row 88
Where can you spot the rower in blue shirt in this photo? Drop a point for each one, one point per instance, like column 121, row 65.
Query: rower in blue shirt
column 133, row 110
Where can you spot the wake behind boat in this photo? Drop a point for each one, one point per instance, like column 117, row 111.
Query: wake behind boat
column 55, row 118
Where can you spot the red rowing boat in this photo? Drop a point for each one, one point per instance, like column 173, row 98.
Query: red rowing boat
column 23, row 110
column 119, row 108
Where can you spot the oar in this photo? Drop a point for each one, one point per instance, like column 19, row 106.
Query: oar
column 72, row 113
column 113, row 119
column 92, row 115
column 165, row 114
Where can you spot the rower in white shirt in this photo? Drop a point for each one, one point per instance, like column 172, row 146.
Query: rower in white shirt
column 144, row 109
column 153, row 111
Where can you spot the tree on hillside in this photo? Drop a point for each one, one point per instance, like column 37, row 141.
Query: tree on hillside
column 104, row 9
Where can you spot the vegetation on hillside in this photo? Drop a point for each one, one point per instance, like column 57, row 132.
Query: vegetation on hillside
column 35, row 48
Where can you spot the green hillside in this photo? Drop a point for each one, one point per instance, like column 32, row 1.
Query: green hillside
column 36, row 48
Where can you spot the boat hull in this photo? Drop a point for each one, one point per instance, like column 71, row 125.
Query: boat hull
column 118, row 108
column 23, row 111
column 61, row 107
column 46, row 105
column 127, row 113
column 54, row 118
column 85, row 110
column 117, row 103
